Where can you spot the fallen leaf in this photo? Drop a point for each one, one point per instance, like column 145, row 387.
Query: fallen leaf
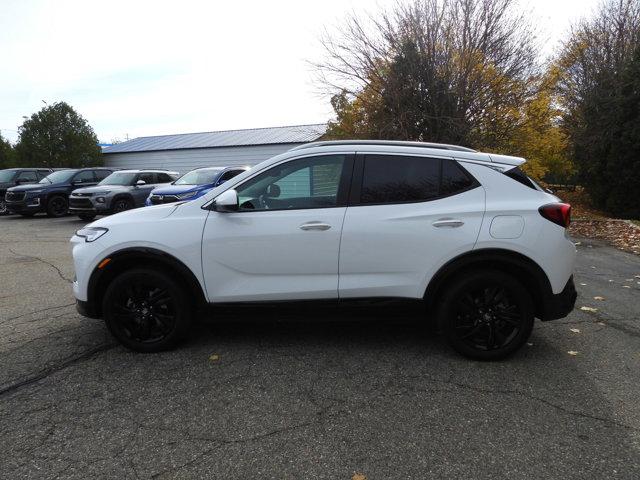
column 598, row 298
column 583, row 284
column 592, row 266
column 578, row 243
column 214, row 357
column 575, row 330
column 602, row 323
column 572, row 352
column 529, row 344
column 588, row 309
column 358, row 476
column 628, row 279
column 626, row 286
column 611, row 280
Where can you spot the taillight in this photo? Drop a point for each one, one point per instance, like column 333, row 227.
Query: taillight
column 558, row 213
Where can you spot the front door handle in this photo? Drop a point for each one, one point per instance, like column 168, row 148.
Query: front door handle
column 315, row 226
column 448, row 222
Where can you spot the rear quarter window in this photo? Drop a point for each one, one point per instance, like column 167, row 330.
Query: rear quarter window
column 521, row 177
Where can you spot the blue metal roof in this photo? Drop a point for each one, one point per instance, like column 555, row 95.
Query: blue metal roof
column 225, row 138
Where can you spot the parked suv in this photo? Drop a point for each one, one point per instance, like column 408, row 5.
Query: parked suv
column 465, row 232
column 51, row 194
column 193, row 185
column 18, row 176
column 120, row 191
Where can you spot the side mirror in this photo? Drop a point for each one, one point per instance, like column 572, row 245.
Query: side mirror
column 140, row 182
column 226, row 202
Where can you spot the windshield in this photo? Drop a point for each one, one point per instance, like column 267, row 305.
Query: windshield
column 58, row 177
column 198, row 177
column 6, row 175
column 120, row 178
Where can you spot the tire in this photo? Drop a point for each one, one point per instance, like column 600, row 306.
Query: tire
column 121, row 204
column 3, row 207
column 87, row 217
column 57, row 206
column 486, row 315
column 146, row 310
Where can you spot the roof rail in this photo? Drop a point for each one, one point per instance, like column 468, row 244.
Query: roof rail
column 397, row 143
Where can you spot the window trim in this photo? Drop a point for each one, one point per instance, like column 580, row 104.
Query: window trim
column 358, row 179
column 344, row 187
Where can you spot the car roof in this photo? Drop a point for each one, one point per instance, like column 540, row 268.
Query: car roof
column 230, row 167
column 144, row 170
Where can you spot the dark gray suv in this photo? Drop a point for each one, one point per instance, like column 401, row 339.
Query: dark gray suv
column 120, row 191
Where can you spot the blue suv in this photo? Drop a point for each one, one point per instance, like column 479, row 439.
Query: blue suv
column 193, row 184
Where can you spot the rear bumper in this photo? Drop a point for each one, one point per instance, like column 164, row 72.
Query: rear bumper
column 561, row 304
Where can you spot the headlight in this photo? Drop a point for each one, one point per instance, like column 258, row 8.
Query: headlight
column 91, row 233
column 184, row 196
column 96, row 194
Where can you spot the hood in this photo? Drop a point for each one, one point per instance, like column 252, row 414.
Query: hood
column 179, row 189
column 137, row 215
column 33, row 186
column 102, row 188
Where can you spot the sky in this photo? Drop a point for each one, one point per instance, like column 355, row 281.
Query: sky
column 135, row 68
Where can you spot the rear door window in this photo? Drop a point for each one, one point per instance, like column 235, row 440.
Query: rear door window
column 85, row 176
column 396, row 179
column 403, row 179
column 102, row 174
column 164, row 178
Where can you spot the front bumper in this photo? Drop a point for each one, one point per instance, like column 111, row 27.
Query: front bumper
column 561, row 304
column 87, row 205
column 86, row 309
column 29, row 205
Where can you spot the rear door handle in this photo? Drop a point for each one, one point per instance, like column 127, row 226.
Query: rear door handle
column 448, row 222
column 315, row 226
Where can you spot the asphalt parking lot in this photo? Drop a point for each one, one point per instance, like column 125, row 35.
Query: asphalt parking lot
column 266, row 393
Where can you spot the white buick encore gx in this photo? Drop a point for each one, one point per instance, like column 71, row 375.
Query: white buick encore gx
column 467, row 233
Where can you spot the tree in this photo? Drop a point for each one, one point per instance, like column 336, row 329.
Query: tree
column 7, row 154
column 600, row 94
column 57, row 136
column 453, row 71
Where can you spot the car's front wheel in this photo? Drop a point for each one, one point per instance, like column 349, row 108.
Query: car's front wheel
column 146, row 310
column 57, row 206
column 121, row 205
column 3, row 207
column 486, row 315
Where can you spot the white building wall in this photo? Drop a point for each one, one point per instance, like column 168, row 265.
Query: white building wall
column 185, row 160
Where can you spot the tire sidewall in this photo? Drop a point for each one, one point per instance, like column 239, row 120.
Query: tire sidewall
column 50, row 203
column 479, row 279
column 128, row 205
column 183, row 309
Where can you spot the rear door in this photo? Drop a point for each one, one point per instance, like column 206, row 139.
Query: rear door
column 407, row 216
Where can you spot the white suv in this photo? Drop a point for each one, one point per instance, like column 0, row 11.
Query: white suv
column 466, row 232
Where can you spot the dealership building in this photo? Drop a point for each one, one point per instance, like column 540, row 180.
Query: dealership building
column 187, row 151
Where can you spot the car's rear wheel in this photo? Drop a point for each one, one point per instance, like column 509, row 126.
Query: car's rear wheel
column 3, row 207
column 486, row 315
column 87, row 217
column 146, row 310
column 122, row 204
column 57, row 206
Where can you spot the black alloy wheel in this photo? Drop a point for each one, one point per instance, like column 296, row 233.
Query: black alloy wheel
column 122, row 204
column 57, row 206
column 146, row 310
column 3, row 207
column 487, row 315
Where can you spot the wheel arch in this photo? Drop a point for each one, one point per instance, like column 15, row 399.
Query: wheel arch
column 134, row 257
column 527, row 271
column 119, row 196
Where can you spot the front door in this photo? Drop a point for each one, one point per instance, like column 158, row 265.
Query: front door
column 283, row 243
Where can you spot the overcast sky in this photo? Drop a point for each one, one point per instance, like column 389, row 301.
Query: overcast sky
column 154, row 67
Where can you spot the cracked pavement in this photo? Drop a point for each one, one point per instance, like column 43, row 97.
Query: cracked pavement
column 310, row 393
